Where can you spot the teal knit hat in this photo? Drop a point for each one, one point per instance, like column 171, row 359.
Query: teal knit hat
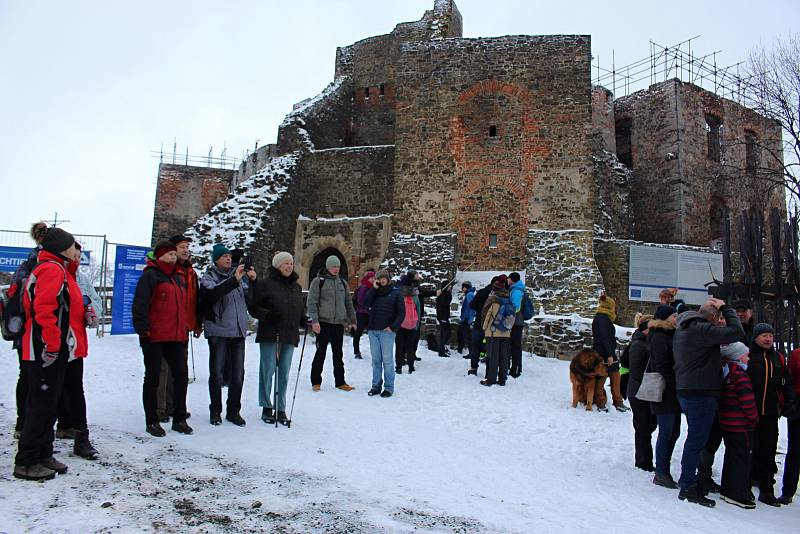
column 332, row 261
column 218, row 250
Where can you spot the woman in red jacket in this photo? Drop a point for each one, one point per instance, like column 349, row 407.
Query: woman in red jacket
column 54, row 335
column 791, row 467
column 159, row 317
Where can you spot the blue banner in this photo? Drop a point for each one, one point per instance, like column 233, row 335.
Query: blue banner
column 13, row 257
column 129, row 263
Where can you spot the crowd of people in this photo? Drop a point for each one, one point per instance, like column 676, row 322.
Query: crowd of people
column 718, row 367
column 721, row 371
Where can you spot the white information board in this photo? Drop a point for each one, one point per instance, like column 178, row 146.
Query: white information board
column 651, row 269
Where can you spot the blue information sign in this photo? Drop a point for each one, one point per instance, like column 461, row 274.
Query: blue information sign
column 128, row 266
column 13, row 257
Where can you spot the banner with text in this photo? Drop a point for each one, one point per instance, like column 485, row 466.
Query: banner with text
column 652, row 269
column 129, row 263
column 13, row 257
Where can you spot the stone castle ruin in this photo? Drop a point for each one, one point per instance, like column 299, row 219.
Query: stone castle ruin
column 445, row 154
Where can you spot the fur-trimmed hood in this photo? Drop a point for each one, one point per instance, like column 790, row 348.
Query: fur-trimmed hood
column 662, row 324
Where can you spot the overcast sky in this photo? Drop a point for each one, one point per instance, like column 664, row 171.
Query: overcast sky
column 89, row 89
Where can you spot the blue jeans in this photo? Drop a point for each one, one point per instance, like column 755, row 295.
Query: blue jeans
column 381, row 344
column 669, row 428
column 700, row 413
column 267, row 369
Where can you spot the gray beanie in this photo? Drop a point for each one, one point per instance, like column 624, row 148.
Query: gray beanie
column 762, row 328
column 332, row 261
column 383, row 273
column 734, row 351
column 280, row 258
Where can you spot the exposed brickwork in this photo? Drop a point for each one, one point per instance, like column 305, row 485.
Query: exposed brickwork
column 184, row 194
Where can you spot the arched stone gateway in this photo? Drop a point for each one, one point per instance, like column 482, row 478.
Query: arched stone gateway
column 318, row 264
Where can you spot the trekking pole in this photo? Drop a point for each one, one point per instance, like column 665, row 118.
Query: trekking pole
column 297, row 379
column 275, row 381
column 191, row 349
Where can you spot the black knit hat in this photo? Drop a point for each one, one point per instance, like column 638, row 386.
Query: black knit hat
column 762, row 328
column 57, row 240
column 742, row 304
column 664, row 312
column 179, row 239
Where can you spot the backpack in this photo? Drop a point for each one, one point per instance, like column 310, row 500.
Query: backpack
column 506, row 316
column 527, row 307
column 12, row 322
column 411, row 317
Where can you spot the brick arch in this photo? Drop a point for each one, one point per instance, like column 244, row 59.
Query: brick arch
column 491, row 168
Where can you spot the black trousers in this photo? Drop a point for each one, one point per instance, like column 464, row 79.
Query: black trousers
column 464, row 336
column 417, row 334
column 22, row 391
column 173, row 354
column 736, row 465
column 404, row 348
column 475, row 345
column 644, row 424
column 765, row 445
column 709, row 451
column 362, row 320
column 41, row 406
column 497, row 356
column 444, row 337
column 72, row 405
column 222, row 352
column 332, row 334
column 516, row 350
column 791, row 467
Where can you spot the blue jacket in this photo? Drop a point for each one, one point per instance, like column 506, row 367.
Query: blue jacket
column 386, row 308
column 467, row 313
column 516, row 293
column 228, row 299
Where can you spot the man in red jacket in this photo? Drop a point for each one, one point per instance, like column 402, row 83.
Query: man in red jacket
column 54, row 335
column 791, row 467
column 159, row 317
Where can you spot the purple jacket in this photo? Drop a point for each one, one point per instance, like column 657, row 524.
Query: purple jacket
column 360, row 296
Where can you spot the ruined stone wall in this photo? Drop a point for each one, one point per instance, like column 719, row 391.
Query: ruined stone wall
column 256, row 161
column 321, row 122
column 185, row 193
column 603, row 118
column 433, row 256
column 492, row 137
column 654, row 148
column 613, row 204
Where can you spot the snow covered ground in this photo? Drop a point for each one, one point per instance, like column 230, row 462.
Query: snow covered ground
column 443, row 455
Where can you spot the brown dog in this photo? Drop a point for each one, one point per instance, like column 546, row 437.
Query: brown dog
column 588, row 373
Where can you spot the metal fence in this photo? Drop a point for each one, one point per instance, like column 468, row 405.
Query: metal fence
column 95, row 265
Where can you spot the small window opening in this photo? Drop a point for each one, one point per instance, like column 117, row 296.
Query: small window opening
column 751, row 156
column 492, row 240
column 493, row 131
column 366, row 92
column 623, row 138
column 382, row 90
column 713, row 126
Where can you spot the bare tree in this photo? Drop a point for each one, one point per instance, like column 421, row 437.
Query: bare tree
column 772, row 88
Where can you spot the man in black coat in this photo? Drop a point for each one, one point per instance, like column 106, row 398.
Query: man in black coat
column 477, row 326
column 698, row 381
column 444, row 297
column 744, row 310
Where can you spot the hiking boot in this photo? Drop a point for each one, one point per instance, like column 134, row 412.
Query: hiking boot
column 154, row 429
column 345, row 387
column 411, row 369
column 665, row 481
column 602, row 409
column 746, row 504
column 282, row 419
column 386, row 394
column 621, row 408
column 316, row 387
column 83, row 447
column 785, row 499
column 472, row 372
column 769, row 499
column 695, row 495
column 268, row 416
column 236, row 419
column 374, row 391
column 486, row 382
column 216, row 419
column 708, row 485
column 398, row 370
column 55, row 465
column 33, row 472
column 359, row 357
column 648, row 468
column 181, row 427
column 65, row 433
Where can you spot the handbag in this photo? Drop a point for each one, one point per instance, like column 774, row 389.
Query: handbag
column 652, row 387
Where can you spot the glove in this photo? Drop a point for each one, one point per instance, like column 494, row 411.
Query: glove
column 49, row 358
column 90, row 318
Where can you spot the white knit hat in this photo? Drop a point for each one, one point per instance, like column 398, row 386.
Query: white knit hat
column 280, row 258
column 734, row 351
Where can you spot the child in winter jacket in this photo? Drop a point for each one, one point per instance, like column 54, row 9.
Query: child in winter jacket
column 738, row 417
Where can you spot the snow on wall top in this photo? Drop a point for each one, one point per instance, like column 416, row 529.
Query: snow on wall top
column 235, row 221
